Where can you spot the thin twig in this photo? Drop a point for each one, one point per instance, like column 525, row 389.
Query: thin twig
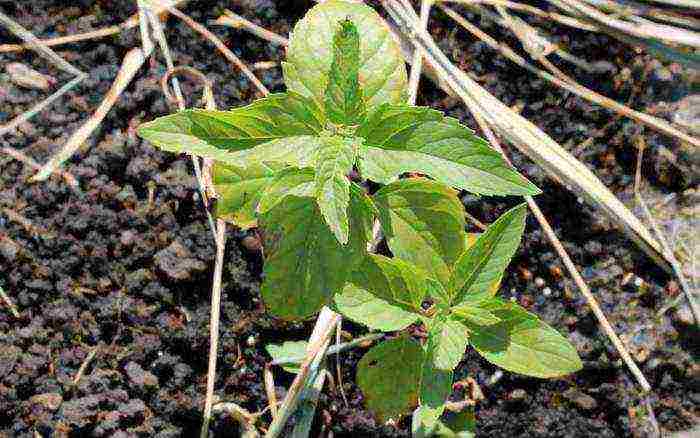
column 36, row 45
column 687, row 291
column 163, row 43
column 228, row 54
column 133, row 61
column 214, row 324
column 237, row 22
column 417, row 64
column 338, row 371
column 12, row 124
column 130, row 23
column 84, row 365
column 333, row 349
column 8, row 302
column 19, row 156
column 562, row 19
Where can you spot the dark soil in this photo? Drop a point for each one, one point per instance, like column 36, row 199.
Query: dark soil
column 123, row 266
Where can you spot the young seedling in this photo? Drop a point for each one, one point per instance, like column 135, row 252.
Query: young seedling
column 284, row 163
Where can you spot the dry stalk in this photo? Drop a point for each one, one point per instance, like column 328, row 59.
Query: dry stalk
column 214, row 325
column 132, row 62
column 237, row 22
column 12, row 124
column 208, row 95
column 417, row 64
column 84, row 365
column 532, row 10
column 36, row 45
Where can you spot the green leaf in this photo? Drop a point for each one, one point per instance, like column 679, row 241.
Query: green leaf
column 384, row 294
column 475, row 314
column 288, row 182
column 435, row 388
column 343, row 97
column 523, row 344
column 335, row 160
column 423, row 222
column 289, row 354
column 299, row 248
column 382, row 73
column 202, row 132
column 239, row 191
column 389, row 376
column 482, row 265
column 447, row 341
column 402, row 138
column 361, row 214
column 305, row 263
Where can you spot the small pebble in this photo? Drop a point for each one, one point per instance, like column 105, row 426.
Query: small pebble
column 580, row 399
column 539, row 282
column 546, row 291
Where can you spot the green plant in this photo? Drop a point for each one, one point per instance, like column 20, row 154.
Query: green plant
column 284, row 163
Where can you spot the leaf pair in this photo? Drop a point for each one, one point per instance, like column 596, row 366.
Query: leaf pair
column 390, row 294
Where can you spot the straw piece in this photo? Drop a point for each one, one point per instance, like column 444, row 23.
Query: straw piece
column 214, row 325
column 36, row 45
column 133, row 60
column 237, row 22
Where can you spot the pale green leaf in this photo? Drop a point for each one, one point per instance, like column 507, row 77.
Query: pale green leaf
column 298, row 151
column 423, row 222
column 482, row 265
column 382, row 72
column 198, row 131
column 239, row 191
column 389, row 376
column 447, row 341
column 335, row 161
column 523, row 344
column 475, row 314
column 288, row 182
column 402, row 138
column 343, row 97
column 289, row 354
column 384, row 294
